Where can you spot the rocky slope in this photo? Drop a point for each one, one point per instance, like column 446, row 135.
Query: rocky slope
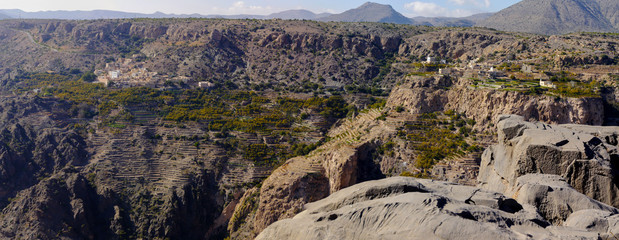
column 32, row 146
column 244, row 52
column 55, row 184
column 556, row 17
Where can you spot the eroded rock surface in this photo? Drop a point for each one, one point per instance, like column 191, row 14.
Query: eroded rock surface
column 409, row 208
column 585, row 156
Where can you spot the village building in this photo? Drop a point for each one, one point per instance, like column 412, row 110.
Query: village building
column 527, row 68
column 114, row 74
column 206, row 85
column 445, row 71
column 547, row 83
column 430, row 59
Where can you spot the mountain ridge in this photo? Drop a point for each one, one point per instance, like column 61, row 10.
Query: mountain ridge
column 547, row 17
column 556, row 17
column 370, row 12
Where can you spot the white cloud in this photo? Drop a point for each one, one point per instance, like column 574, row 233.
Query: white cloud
column 425, row 9
column 240, row 7
column 434, row 10
column 477, row 3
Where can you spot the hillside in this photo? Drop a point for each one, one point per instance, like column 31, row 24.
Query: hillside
column 556, row 17
column 610, row 9
column 370, row 12
column 214, row 128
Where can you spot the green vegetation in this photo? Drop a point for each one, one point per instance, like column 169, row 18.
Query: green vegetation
column 509, row 67
column 377, row 102
column 89, row 77
column 221, row 110
column 300, row 149
column 437, row 136
column 577, row 90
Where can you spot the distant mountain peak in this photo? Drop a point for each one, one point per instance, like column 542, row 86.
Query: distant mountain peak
column 370, row 12
column 557, row 16
column 296, row 14
column 373, row 4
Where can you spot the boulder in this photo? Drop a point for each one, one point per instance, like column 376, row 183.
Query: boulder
column 554, row 198
column 585, row 157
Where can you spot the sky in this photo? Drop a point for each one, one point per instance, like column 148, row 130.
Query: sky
column 409, row 8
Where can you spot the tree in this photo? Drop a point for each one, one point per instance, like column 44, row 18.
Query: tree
column 89, row 77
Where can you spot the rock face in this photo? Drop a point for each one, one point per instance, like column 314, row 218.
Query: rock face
column 430, row 94
column 585, row 156
column 65, row 206
column 408, row 208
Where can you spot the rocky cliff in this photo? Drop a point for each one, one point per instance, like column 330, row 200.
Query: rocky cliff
column 429, row 94
column 31, row 147
column 56, row 184
column 351, row 155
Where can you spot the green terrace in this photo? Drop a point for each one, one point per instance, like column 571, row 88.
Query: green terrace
column 219, row 109
column 572, row 88
column 438, row 136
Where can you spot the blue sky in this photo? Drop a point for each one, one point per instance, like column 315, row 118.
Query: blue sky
column 410, row 8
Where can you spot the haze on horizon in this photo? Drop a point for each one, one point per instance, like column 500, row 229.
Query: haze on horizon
column 409, row 8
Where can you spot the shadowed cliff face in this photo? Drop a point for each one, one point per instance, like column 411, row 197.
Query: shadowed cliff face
column 48, row 184
column 68, row 205
column 31, row 148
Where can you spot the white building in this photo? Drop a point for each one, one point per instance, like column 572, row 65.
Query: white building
column 206, row 84
column 114, row 74
column 430, row 59
column 547, row 83
column 444, row 71
column 527, row 68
